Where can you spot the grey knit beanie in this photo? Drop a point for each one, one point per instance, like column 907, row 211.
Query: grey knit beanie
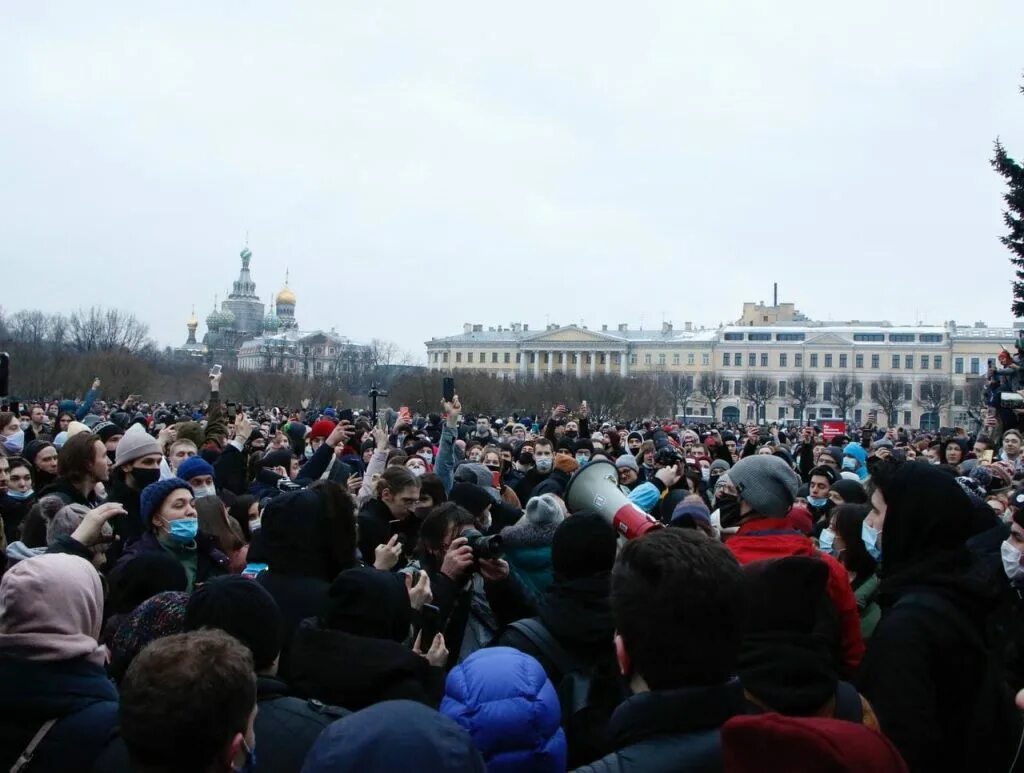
column 135, row 444
column 545, row 509
column 766, row 482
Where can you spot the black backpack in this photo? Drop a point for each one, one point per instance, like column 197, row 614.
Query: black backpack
column 588, row 694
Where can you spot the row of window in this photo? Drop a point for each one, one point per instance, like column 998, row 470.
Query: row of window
column 897, row 361
column 821, row 413
column 735, row 359
column 570, row 358
column 894, row 338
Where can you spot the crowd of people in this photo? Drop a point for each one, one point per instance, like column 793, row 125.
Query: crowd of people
column 236, row 588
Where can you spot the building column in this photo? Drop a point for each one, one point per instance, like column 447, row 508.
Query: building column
column 551, row 362
column 593, row 363
column 522, row 365
column 565, row 363
column 536, row 364
column 624, row 364
column 579, row 364
column 607, row 363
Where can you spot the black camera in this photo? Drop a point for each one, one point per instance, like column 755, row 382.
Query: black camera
column 668, row 456
column 483, row 547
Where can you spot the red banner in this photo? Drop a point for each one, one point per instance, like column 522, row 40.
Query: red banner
column 832, row 429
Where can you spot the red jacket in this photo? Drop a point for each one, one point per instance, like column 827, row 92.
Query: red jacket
column 766, row 538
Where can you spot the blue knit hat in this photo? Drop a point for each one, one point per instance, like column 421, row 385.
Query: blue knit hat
column 154, row 495
column 193, row 467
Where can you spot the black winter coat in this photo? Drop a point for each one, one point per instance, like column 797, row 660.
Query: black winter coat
column 665, row 731
column 286, row 727
column 75, row 692
column 357, row 671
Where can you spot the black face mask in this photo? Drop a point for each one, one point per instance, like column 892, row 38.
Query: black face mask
column 111, row 455
column 526, row 459
column 571, row 433
column 145, row 477
column 729, row 510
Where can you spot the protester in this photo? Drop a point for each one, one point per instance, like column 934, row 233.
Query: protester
column 285, row 726
column 168, row 514
column 57, row 705
column 506, row 703
column 366, row 741
column 934, row 597
column 82, row 464
column 572, row 634
column 772, row 743
column 188, row 702
column 766, row 488
column 355, row 653
column 158, row 616
column 675, row 586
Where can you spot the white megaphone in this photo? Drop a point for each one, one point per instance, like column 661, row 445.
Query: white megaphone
column 596, row 487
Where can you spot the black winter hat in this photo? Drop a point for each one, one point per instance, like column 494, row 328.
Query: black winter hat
column 280, row 458
column 242, row 608
column 584, row 444
column 583, row 545
column 472, row 498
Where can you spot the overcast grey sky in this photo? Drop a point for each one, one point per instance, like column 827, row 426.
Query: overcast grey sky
column 421, row 165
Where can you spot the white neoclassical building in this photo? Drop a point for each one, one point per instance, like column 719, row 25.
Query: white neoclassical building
column 774, row 343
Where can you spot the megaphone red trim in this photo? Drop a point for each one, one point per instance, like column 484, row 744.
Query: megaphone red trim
column 600, row 493
column 632, row 522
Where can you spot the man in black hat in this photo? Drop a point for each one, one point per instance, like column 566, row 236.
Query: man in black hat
column 286, row 727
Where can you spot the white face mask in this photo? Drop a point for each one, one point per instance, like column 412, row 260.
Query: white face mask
column 255, row 524
column 544, row 464
column 417, row 471
column 1011, row 559
column 427, row 456
column 204, row 491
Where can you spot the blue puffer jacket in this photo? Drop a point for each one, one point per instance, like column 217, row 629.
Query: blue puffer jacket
column 502, row 697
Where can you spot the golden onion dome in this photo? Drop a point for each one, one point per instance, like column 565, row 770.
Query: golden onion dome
column 286, row 296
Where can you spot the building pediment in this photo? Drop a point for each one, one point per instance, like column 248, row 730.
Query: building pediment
column 827, row 339
column 572, row 334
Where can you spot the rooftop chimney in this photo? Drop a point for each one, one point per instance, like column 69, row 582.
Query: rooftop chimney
column 689, row 327
column 775, row 294
column 604, row 328
column 622, row 327
column 666, row 327
column 467, row 328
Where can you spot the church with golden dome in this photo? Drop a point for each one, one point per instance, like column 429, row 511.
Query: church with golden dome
column 243, row 333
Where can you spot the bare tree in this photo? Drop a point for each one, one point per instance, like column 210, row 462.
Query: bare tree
column 30, row 327
column 679, row 388
column 844, row 394
column 889, row 393
column 974, row 401
column 758, row 390
column 802, row 391
column 936, row 395
column 107, row 331
column 712, row 387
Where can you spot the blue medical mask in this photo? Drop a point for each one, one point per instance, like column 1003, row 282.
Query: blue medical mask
column 308, row 453
column 427, row 456
column 849, row 463
column 19, row 495
column 183, row 530
column 870, row 536
column 582, row 459
column 817, row 501
column 15, row 443
column 825, row 540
